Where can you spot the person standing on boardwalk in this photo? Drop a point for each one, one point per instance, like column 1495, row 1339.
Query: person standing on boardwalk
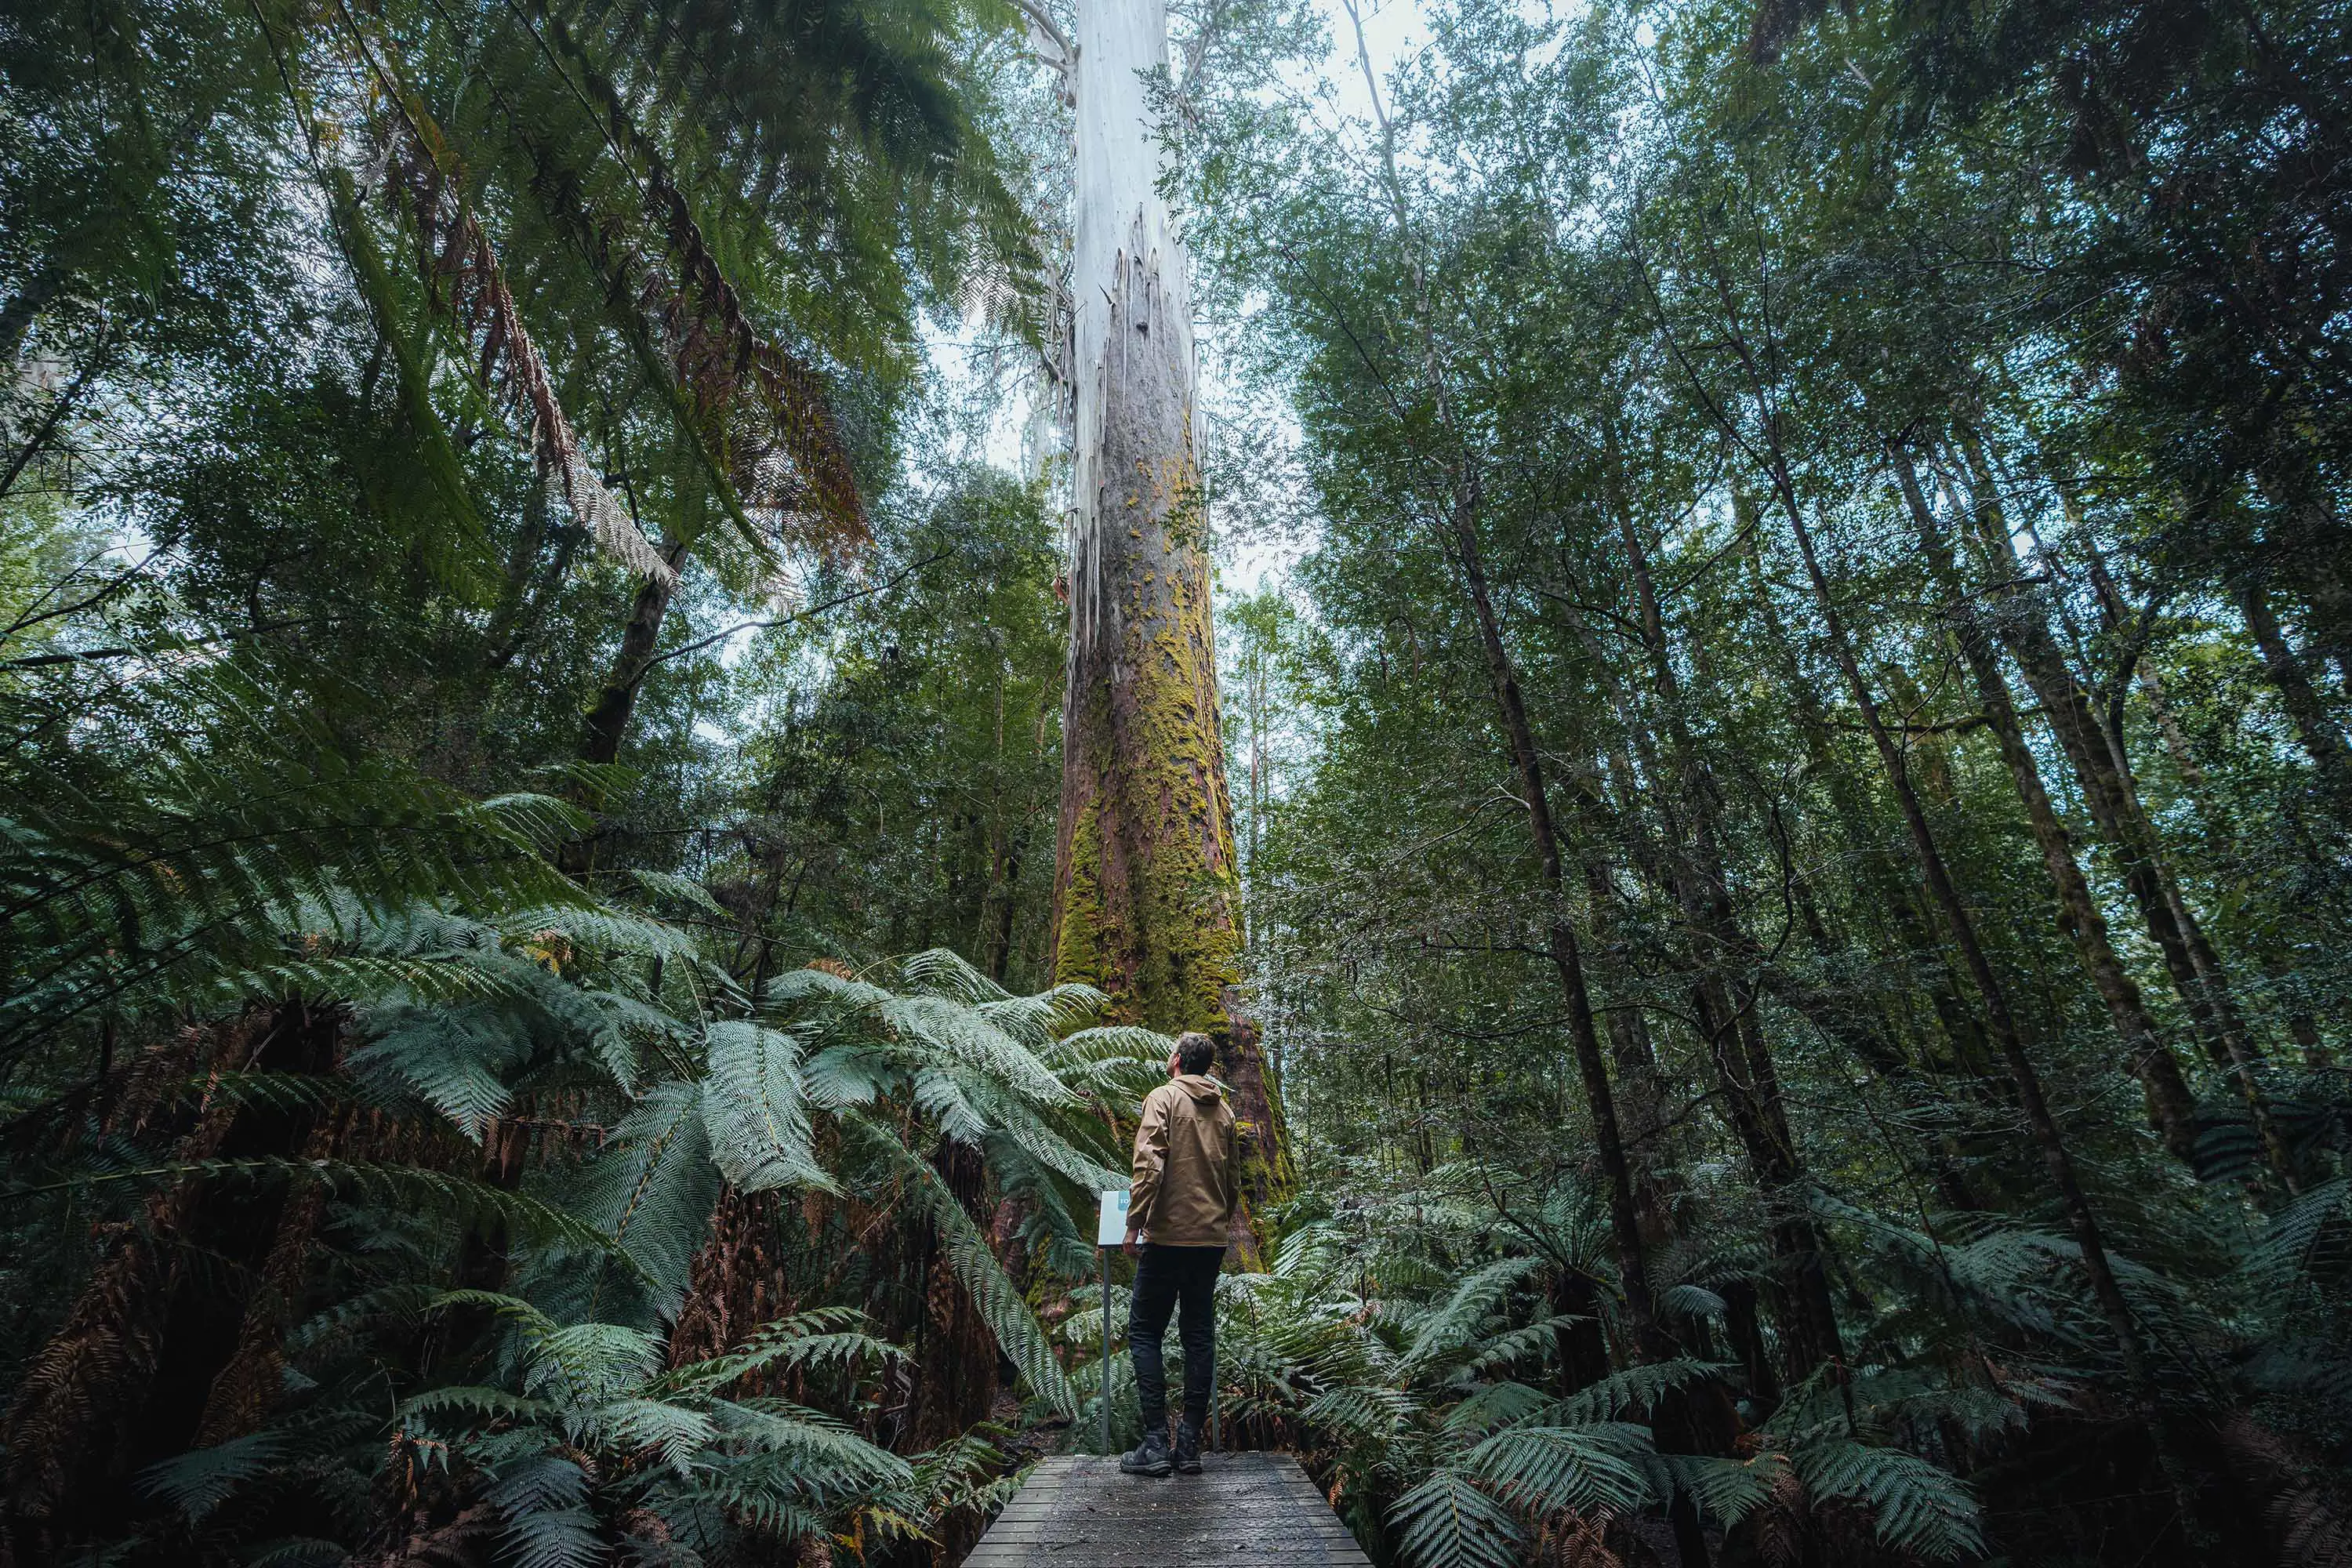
column 1180, row 1213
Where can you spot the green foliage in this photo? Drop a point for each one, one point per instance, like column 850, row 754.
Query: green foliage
column 1918, row 1509
column 438, row 1128
column 1448, row 1522
column 351, row 942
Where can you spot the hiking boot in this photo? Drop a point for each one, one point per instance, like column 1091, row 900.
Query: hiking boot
column 1151, row 1458
column 1188, row 1449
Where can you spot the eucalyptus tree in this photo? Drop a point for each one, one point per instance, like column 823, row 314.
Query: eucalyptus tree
column 1146, row 881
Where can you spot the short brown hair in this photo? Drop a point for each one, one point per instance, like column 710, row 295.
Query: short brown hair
column 1194, row 1051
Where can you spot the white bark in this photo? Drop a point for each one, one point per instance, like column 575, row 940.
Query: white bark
column 1132, row 309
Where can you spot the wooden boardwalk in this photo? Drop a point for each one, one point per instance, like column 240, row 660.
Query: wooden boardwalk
column 1243, row 1510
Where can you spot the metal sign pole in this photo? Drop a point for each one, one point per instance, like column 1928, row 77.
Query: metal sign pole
column 1216, row 1397
column 1110, row 1230
column 1103, row 1254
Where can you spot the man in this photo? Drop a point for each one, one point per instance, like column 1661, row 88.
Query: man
column 1180, row 1211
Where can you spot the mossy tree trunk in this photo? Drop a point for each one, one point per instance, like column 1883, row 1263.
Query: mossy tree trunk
column 1147, row 892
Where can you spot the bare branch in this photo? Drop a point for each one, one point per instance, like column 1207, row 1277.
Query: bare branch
column 1043, row 21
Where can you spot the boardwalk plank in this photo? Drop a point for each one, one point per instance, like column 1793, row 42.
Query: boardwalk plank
column 1244, row 1510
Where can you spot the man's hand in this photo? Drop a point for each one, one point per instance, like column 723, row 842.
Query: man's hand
column 1128, row 1245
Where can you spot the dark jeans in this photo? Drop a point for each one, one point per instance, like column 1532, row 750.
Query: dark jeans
column 1166, row 1276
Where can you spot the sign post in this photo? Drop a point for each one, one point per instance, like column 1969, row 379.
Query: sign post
column 1110, row 1230
column 1216, row 1398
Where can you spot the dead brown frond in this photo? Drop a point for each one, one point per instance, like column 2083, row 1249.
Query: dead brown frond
column 245, row 1389
column 424, row 181
column 1774, row 1533
column 1571, row 1540
column 467, row 1540
column 2311, row 1532
column 738, row 1286
column 2307, row 1519
column 462, row 272
column 63, row 1427
column 765, row 411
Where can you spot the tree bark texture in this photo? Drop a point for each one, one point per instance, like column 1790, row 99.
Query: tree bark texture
column 1147, row 892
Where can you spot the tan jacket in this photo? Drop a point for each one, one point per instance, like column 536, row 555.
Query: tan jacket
column 1183, row 1194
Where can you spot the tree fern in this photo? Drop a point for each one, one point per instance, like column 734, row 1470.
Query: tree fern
column 1000, row 1302
column 1594, row 1466
column 1447, row 1521
column 1915, row 1507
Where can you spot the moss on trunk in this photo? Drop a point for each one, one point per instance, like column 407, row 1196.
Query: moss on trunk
column 1148, row 886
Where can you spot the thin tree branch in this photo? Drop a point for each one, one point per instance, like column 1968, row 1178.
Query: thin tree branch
column 698, row 644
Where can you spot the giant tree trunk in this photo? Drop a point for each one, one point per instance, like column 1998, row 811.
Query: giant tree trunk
column 1147, row 890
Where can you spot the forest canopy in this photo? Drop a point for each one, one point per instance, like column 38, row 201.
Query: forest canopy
column 650, row 651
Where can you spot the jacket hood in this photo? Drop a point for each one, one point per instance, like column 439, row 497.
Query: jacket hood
column 1198, row 1085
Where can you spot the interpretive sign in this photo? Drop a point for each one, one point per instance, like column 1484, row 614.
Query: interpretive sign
column 1110, row 1225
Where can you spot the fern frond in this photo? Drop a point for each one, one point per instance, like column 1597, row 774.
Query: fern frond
column 198, row 1481
column 1040, row 1021
column 653, row 1188
column 1602, row 1465
column 962, row 1036
column 1000, row 1302
column 822, row 1457
column 1727, row 1490
column 943, row 972
column 1637, row 1389
column 1109, row 1043
column 1447, row 1521
column 554, row 1538
column 757, row 1109
column 687, row 890
column 1531, row 1342
column 1492, row 1405
column 634, row 1422
column 802, row 986
column 1452, row 1325
column 1915, row 1507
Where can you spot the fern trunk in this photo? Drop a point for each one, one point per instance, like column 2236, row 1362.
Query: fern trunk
column 165, row 1346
